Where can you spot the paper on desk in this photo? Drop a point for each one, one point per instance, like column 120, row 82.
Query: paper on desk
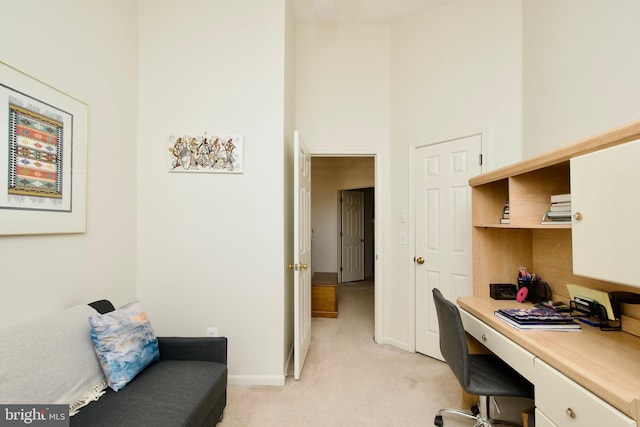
column 600, row 297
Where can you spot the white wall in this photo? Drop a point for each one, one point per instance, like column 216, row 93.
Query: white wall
column 454, row 69
column 212, row 245
column 329, row 175
column 343, row 95
column 581, row 68
column 289, row 128
column 343, row 86
column 87, row 49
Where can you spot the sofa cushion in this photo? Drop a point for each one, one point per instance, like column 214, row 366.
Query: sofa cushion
column 124, row 342
column 50, row 360
column 167, row 393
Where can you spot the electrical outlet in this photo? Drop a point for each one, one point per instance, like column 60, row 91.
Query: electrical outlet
column 212, row 331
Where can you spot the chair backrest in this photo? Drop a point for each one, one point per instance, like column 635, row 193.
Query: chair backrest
column 453, row 341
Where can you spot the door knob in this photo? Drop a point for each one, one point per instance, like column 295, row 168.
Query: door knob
column 303, row 266
column 420, row 260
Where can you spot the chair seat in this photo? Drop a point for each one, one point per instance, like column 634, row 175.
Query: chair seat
column 491, row 376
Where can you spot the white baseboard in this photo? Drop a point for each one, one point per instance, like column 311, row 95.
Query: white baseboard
column 256, row 379
column 395, row 343
column 263, row 379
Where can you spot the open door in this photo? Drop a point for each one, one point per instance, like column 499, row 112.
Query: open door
column 352, row 236
column 302, row 255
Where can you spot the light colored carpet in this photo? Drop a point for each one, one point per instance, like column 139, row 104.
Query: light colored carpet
column 349, row 380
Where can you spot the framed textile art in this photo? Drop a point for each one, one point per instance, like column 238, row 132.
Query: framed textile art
column 43, row 157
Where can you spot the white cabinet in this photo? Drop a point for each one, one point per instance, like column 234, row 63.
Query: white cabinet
column 565, row 403
column 604, row 194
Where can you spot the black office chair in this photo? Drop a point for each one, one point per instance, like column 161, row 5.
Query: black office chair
column 485, row 375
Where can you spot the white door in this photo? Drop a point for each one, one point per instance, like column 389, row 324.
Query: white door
column 443, row 230
column 352, row 236
column 302, row 255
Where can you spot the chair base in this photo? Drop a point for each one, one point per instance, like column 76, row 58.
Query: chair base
column 478, row 414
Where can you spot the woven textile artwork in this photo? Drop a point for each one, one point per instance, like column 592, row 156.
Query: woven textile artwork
column 35, row 154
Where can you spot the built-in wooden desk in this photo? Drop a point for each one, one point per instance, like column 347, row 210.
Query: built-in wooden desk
column 606, row 364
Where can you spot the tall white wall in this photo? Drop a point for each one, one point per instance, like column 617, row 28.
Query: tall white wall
column 343, row 95
column 211, row 246
column 454, row 69
column 87, row 49
column 580, row 68
column 288, row 191
column 343, row 86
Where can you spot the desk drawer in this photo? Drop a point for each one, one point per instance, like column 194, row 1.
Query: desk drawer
column 566, row 403
column 517, row 357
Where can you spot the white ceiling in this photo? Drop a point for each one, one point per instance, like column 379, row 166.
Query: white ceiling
column 358, row 11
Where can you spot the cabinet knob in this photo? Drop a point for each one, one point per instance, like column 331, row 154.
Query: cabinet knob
column 570, row 413
column 577, row 216
column 484, row 337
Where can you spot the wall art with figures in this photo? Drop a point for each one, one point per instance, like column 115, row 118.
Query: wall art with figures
column 206, row 154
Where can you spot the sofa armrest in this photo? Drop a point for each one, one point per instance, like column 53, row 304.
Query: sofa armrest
column 208, row 349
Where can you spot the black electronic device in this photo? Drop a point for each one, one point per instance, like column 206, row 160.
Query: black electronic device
column 503, row 291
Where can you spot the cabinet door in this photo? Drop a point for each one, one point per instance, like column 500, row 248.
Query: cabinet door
column 604, row 193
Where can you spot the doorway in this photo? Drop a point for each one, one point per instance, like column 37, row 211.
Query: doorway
column 357, row 235
column 332, row 178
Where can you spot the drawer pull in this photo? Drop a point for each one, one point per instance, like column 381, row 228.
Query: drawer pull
column 570, row 413
column 484, row 337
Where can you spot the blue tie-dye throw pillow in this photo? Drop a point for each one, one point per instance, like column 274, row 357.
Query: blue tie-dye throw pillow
column 125, row 343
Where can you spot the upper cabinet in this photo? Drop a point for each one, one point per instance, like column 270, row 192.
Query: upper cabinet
column 597, row 251
column 605, row 198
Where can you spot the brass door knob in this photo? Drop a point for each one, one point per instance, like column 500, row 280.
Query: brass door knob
column 420, row 260
column 303, row 266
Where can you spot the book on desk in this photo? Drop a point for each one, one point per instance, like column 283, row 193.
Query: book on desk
column 537, row 318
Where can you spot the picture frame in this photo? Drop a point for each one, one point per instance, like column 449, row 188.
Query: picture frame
column 43, row 157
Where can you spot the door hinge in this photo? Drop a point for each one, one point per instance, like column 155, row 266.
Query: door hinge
column 480, row 159
column 341, row 269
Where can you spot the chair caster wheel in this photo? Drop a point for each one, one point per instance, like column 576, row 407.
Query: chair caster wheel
column 474, row 410
column 438, row 421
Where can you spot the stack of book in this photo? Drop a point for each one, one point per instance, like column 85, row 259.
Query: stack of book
column 559, row 211
column 537, row 318
column 505, row 218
